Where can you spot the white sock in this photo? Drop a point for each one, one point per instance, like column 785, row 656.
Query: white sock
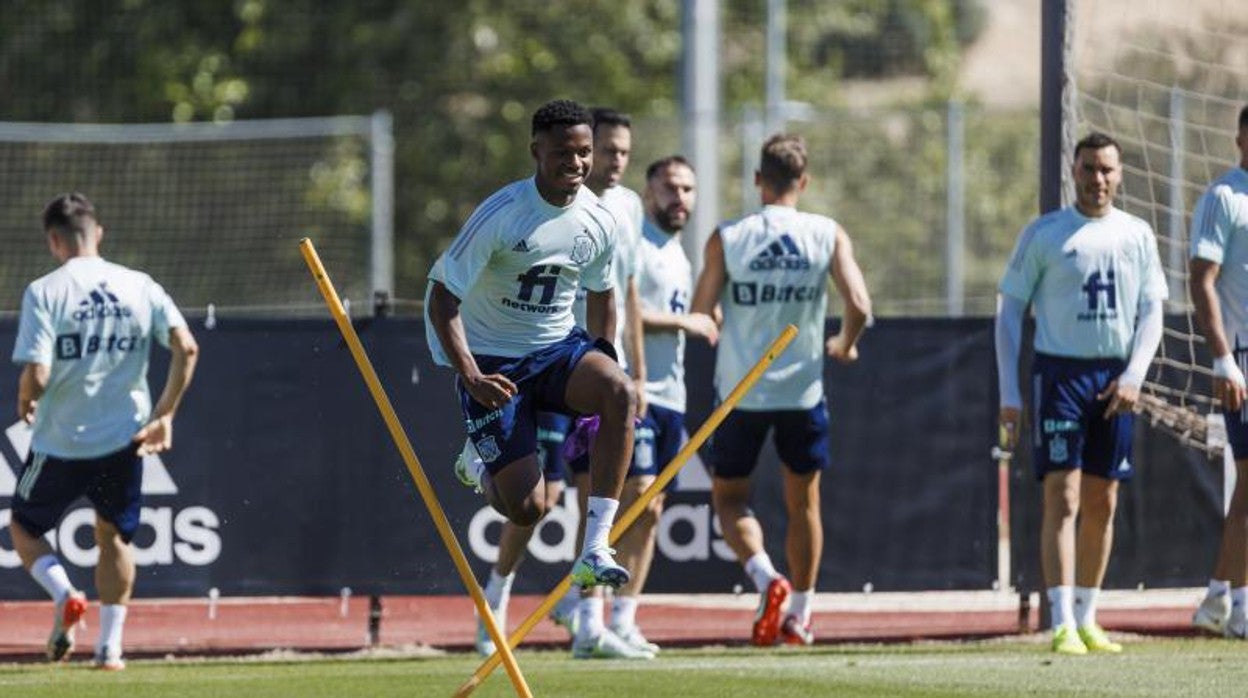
column 48, row 571
column 112, row 620
column 799, row 605
column 589, row 615
column 1239, row 595
column 599, row 515
column 1062, row 606
column 623, row 612
column 761, row 570
column 498, row 589
column 1218, row 587
column 1085, row 605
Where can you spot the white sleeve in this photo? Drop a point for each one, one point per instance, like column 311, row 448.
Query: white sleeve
column 1210, row 226
column 1154, row 280
column 165, row 315
column 461, row 265
column 1148, row 333
column 1009, row 337
column 1023, row 271
column 35, row 334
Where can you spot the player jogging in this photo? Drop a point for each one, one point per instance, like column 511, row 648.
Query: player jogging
column 766, row 271
column 499, row 312
column 83, row 343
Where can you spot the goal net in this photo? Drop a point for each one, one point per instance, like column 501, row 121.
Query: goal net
column 1167, row 80
column 214, row 212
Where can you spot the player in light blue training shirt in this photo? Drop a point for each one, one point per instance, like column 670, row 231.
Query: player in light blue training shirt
column 83, row 343
column 1093, row 276
column 664, row 282
column 583, row 617
column 1219, row 285
column 499, row 312
column 766, row 271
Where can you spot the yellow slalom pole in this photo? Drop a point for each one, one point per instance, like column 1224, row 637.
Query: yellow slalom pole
column 629, row 516
column 409, row 457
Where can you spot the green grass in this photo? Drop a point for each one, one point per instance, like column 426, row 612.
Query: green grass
column 1150, row 667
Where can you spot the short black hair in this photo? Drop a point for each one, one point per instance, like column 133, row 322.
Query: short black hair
column 560, row 112
column 1243, row 116
column 1095, row 141
column 68, row 215
column 653, row 168
column 606, row 116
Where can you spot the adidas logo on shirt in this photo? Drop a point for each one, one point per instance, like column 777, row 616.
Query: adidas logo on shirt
column 780, row 254
column 100, row 303
column 521, row 246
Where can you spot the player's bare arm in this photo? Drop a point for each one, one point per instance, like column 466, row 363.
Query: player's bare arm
column 493, row 390
column 30, row 387
column 1228, row 380
column 852, row 286
column 157, row 434
column 702, row 315
column 600, row 313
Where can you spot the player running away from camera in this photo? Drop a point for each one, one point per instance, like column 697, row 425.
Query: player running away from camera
column 499, row 312
column 1093, row 278
column 766, row 271
column 1219, row 287
column 83, row 342
column 583, row 618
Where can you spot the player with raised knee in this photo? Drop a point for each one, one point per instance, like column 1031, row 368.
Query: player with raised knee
column 1219, row 286
column 499, row 313
column 612, row 148
column 768, row 270
column 83, row 343
column 1091, row 273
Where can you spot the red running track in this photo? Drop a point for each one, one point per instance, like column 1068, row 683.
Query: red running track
column 183, row 627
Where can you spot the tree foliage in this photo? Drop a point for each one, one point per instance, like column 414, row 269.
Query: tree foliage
column 460, row 77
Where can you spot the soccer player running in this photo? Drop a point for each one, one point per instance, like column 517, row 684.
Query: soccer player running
column 499, row 312
column 612, row 147
column 83, row 342
column 1092, row 275
column 1219, row 286
column 766, row 271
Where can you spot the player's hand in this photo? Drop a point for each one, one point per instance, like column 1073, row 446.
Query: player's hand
column 155, row 436
column 639, row 384
column 26, row 410
column 1122, row 398
column 702, row 325
column 841, row 351
column 492, row 391
column 1230, row 393
column 1007, row 422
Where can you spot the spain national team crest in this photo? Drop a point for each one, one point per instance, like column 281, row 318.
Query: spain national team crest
column 1058, row 451
column 583, row 249
column 487, row 448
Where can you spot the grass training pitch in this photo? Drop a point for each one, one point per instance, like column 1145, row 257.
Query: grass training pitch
column 1148, row 667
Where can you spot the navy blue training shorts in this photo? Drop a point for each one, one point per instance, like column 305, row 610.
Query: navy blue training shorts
column 801, row 438
column 657, row 439
column 47, row 485
column 509, row 433
column 1069, row 425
